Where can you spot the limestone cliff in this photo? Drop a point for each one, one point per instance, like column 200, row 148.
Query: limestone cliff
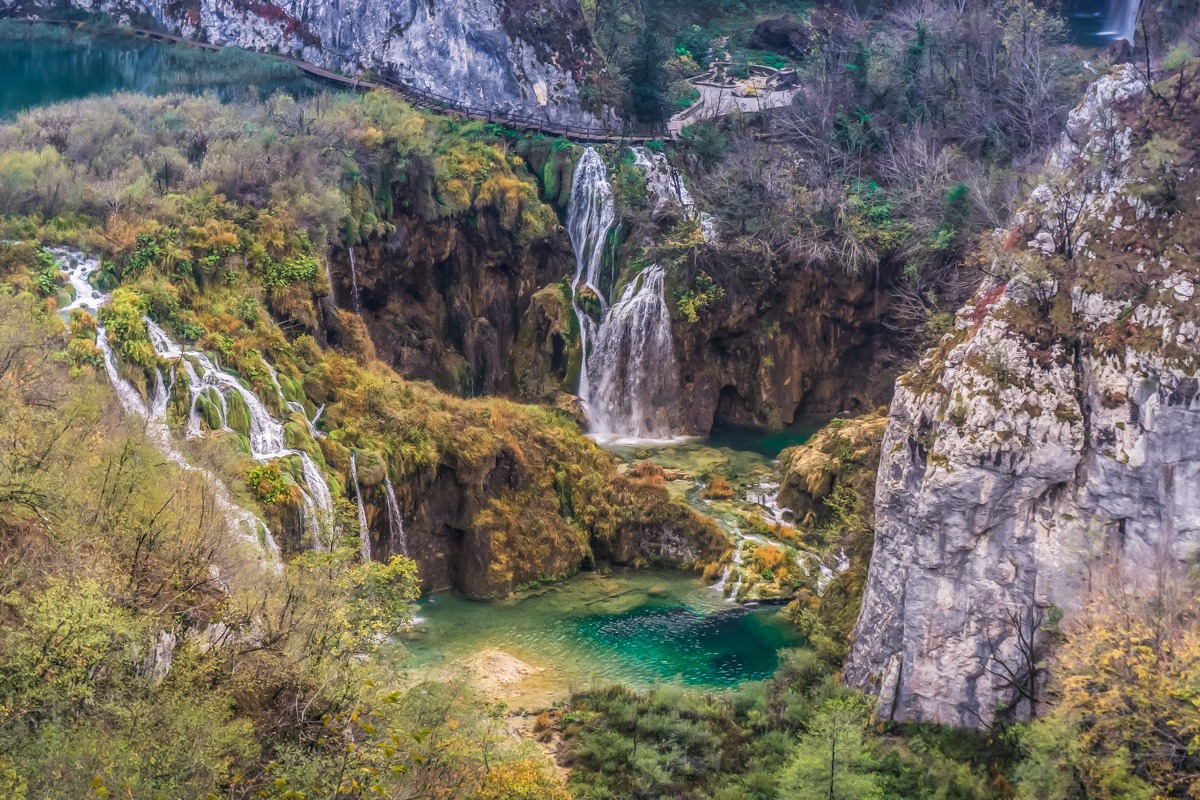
column 1052, row 440
column 443, row 299
column 788, row 353
column 525, row 58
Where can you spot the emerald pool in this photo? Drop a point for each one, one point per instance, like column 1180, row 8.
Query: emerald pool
column 630, row 626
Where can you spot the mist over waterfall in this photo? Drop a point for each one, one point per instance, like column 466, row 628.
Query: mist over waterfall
column 1121, row 21
column 636, row 377
column 629, row 377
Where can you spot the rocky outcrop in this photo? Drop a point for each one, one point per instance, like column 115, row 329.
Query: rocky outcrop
column 443, row 300
column 789, row 353
column 507, row 56
column 845, row 451
column 1050, row 445
column 487, row 526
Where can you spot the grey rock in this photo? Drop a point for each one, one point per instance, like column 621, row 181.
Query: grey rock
column 1013, row 480
column 461, row 49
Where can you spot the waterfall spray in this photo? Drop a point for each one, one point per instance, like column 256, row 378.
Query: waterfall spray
column 364, row 533
column 395, row 520
column 636, row 376
column 1121, row 20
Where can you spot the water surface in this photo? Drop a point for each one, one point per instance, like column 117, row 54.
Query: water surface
column 636, row 627
column 41, row 67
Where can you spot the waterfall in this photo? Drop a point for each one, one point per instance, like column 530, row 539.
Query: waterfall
column 246, row 524
column 355, row 294
column 266, row 432
column 636, row 379
column 662, row 180
column 590, row 213
column 395, row 521
column 364, row 533
column 628, row 378
column 665, row 185
column 1121, row 20
column 205, row 379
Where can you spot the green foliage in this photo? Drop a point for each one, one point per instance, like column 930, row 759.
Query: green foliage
column 47, row 276
column 833, row 759
column 266, row 483
column 124, row 319
column 300, row 269
column 703, row 293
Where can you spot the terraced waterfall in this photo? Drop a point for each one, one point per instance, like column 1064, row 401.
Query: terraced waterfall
column 219, row 390
column 629, row 377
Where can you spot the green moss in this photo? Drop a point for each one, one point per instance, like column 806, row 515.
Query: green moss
column 237, row 414
column 209, row 409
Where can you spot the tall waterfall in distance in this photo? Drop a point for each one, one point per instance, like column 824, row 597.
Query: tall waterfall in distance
column 395, row 520
column 1121, row 21
column 636, row 386
column 590, row 214
column 629, row 378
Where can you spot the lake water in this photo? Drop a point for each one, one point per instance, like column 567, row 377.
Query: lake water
column 636, row 627
column 58, row 66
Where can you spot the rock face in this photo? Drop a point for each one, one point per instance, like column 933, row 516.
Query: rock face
column 481, row 527
column 512, row 56
column 443, row 300
column 787, row 354
column 1051, row 443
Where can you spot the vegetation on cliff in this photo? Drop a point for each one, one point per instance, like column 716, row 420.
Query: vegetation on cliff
column 148, row 652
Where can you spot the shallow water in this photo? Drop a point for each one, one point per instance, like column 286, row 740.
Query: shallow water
column 630, row 626
column 43, row 71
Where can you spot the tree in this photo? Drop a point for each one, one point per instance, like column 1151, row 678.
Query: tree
column 833, row 761
column 1125, row 719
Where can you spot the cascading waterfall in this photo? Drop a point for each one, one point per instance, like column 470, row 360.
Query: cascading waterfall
column 590, row 213
column 766, row 496
column 364, row 532
column 266, row 432
column 1121, row 20
column 204, row 380
column 395, row 521
column 247, row 525
column 636, row 376
column 629, row 376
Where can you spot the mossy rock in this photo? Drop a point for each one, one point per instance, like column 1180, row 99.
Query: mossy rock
column 209, row 408
column 589, row 303
column 237, row 413
column 296, row 436
column 293, row 389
